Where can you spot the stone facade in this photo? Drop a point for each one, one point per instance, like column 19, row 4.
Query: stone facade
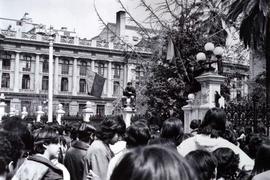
column 24, row 70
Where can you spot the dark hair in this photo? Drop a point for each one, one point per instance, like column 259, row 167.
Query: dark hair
column 5, row 150
column 228, row 163
column 16, row 144
column 262, row 159
column 108, row 128
column 153, row 163
column 162, row 142
column 137, row 134
column 213, row 123
column 17, row 127
column 84, row 132
column 172, row 129
column 45, row 136
column 195, row 123
column 203, row 162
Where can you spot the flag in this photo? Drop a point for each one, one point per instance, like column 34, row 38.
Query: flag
column 98, row 85
column 90, row 76
column 170, row 50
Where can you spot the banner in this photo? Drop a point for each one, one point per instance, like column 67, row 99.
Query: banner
column 98, row 85
column 90, row 76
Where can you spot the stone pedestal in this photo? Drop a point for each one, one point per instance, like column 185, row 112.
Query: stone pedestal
column 12, row 112
column 39, row 113
column 128, row 112
column 24, row 113
column 203, row 100
column 59, row 113
column 2, row 106
column 73, row 108
column 87, row 112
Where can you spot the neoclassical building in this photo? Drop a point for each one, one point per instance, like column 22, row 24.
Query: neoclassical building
column 24, row 68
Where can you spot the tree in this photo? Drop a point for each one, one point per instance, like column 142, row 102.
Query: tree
column 254, row 29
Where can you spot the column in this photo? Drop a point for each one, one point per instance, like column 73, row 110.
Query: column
column 109, row 80
column 17, row 72
column 125, row 75
column 92, row 65
column 74, row 78
column 37, row 78
column 56, row 70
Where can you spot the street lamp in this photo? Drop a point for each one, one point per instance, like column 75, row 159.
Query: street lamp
column 51, row 34
column 207, row 58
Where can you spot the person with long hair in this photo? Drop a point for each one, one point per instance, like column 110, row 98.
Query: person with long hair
column 40, row 166
column 210, row 137
column 204, row 164
column 153, row 163
column 99, row 154
column 261, row 170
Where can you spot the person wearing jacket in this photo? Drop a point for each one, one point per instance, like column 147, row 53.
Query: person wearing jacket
column 39, row 166
column 210, row 138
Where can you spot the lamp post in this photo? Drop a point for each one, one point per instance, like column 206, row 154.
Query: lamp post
column 207, row 58
column 51, row 34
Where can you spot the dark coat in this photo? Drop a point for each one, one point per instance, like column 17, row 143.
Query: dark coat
column 36, row 168
column 74, row 159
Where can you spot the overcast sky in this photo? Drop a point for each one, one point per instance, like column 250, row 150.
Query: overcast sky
column 73, row 14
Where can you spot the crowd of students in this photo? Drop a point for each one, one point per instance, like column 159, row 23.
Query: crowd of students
column 110, row 151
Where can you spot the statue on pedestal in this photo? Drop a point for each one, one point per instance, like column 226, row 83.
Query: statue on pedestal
column 129, row 96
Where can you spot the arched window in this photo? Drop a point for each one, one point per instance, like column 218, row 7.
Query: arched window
column 64, row 84
column 83, row 68
column 116, row 88
column 45, row 66
column 116, row 70
column 101, row 68
column 82, row 85
column 65, row 66
column 6, row 59
column 26, row 81
column 5, row 80
column 45, row 82
column 27, row 59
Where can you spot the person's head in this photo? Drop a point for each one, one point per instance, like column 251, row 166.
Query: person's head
column 5, row 155
column 86, row 132
column 17, row 148
column 153, row 163
column 262, row 159
column 254, row 143
column 172, row 129
column 213, row 123
column 47, row 142
column 108, row 131
column 204, row 164
column 129, row 84
column 194, row 124
column 137, row 134
column 17, row 127
column 228, row 162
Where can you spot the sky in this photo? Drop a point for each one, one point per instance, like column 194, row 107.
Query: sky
column 73, row 14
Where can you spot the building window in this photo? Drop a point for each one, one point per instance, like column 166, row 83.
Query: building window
column 101, row 68
column 139, row 73
column 116, row 87
column 81, row 108
column 26, row 81
column 6, row 59
column 116, row 71
column 65, row 67
column 82, row 85
column 64, row 84
column 27, row 59
column 45, row 67
column 45, row 82
column 83, row 68
column 100, row 110
column 5, row 80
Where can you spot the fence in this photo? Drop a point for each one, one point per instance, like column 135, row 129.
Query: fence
column 252, row 113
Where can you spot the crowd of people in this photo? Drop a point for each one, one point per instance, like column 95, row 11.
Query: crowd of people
column 110, row 151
